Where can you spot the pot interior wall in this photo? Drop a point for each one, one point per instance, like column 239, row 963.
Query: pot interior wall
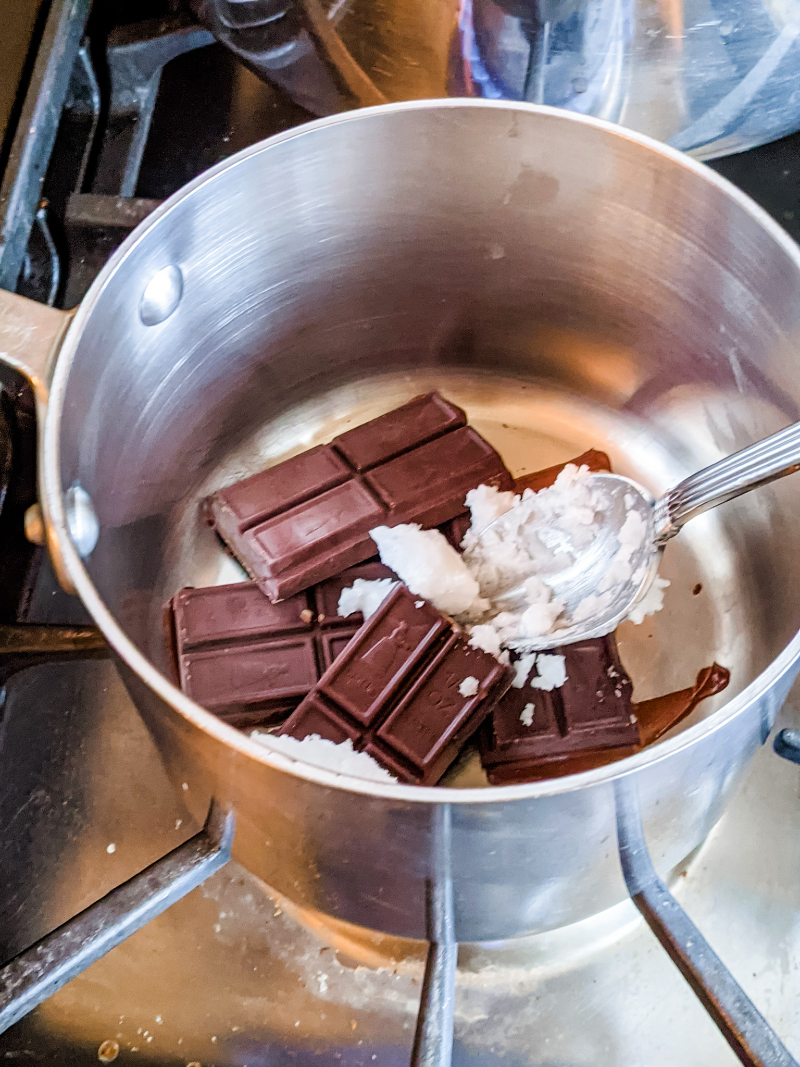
column 570, row 287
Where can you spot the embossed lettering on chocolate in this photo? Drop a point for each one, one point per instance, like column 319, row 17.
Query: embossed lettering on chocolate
column 309, row 517
column 251, row 661
column 397, row 691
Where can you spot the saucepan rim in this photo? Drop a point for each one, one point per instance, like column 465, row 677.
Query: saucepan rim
column 204, row 720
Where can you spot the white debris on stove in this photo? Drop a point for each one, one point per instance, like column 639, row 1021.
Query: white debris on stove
column 364, row 595
column 522, row 668
column 341, row 758
column 468, row 687
column 651, row 602
column 551, row 671
column 429, row 565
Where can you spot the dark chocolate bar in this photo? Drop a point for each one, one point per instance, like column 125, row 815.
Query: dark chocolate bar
column 250, row 661
column 513, row 751
column 408, row 690
column 591, row 710
column 309, row 517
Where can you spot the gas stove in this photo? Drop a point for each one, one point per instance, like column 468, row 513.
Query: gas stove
column 121, row 110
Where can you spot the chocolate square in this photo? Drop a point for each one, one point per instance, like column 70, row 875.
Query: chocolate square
column 592, row 710
column 305, row 520
column 398, row 691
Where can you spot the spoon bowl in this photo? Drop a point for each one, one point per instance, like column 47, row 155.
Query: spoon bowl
column 597, row 587
column 598, row 568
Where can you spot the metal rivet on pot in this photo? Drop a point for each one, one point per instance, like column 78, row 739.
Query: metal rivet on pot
column 33, row 524
column 84, row 529
column 161, row 296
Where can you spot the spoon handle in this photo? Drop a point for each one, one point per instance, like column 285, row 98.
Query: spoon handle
column 763, row 462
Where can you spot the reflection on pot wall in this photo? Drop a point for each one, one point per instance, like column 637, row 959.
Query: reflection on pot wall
column 709, row 76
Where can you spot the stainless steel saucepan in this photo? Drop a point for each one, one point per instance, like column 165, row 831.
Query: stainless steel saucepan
column 571, row 285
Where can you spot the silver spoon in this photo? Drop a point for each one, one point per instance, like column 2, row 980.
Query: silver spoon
column 582, row 576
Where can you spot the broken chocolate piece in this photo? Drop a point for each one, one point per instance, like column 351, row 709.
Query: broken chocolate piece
column 591, row 710
column 308, row 518
column 508, row 753
column 594, row 460
column 250, row 661
column 408, row 689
